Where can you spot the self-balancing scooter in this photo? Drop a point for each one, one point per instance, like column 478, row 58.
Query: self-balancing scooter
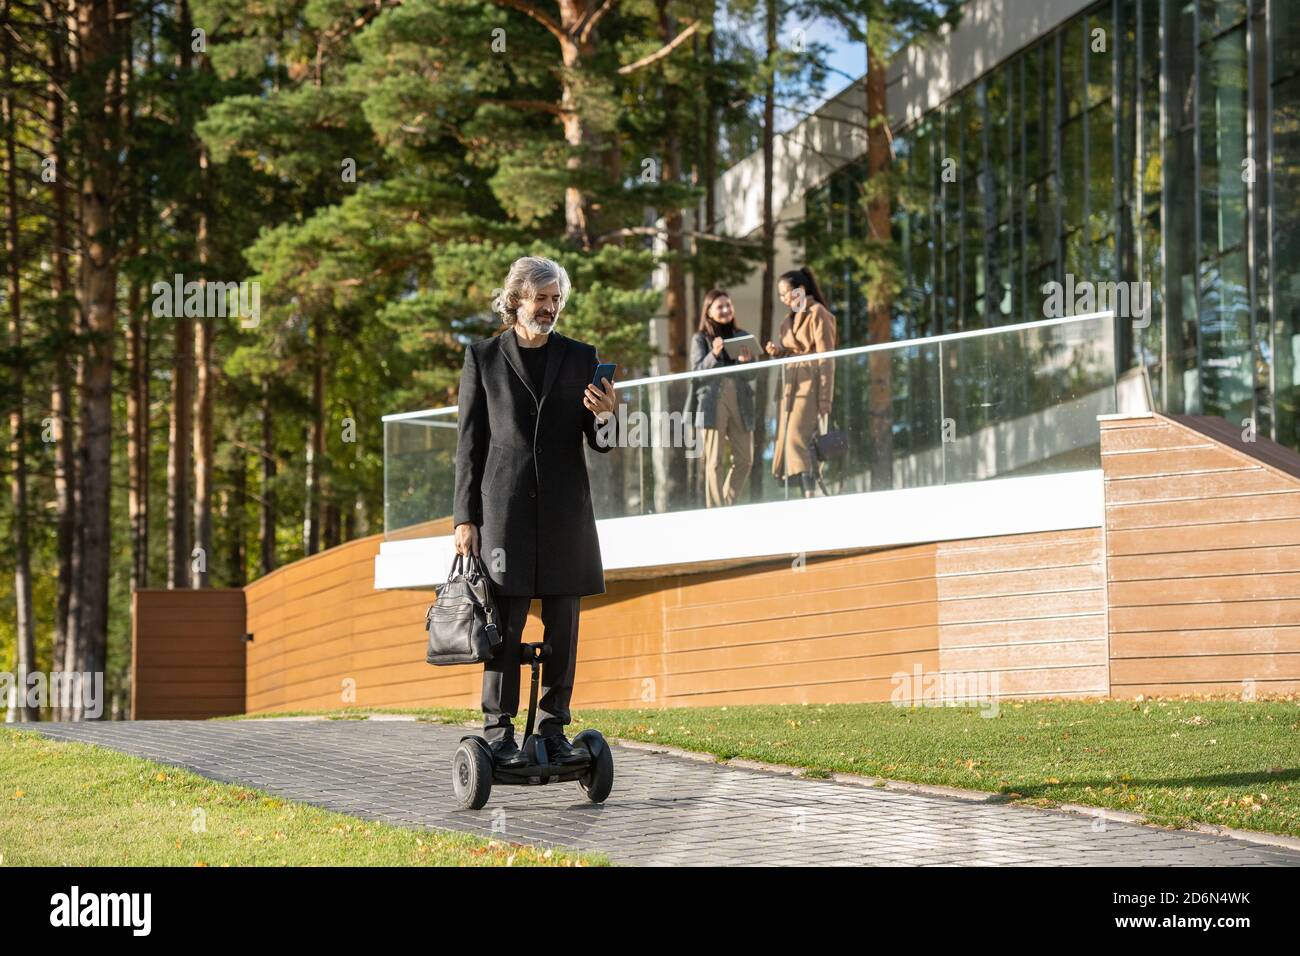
column 473, row 770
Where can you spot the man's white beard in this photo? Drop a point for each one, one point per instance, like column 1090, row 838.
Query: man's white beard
column 536, row 328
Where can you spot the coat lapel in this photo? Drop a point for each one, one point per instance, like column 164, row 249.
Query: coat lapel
column 510, row 349
column 554, row 355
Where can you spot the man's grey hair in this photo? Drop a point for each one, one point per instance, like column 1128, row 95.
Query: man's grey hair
column 526, row 276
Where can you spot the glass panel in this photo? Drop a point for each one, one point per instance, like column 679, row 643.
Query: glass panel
column 998, row 146
column 1226, row 374
column 622, row 479
column 1073, row 183
column 1101, row 43
column 1182, row 370
column 419, row 472
column 1148, row 339
column 1284, row 24
column 1014, row 400
column 1223, row 105
column 1219, row 15
column 1101, row 187
column 975, row 199
column 1286, row 257
column 950, row 190
column 1261, row 204
column 1008, row 422
column 1124, row 133
column 1072, row 47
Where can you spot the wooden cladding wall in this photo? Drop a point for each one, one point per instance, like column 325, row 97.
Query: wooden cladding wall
column 1027, row 608
column 1203, row 558
column 187, row 654
column 324, row 638
column 1193, row 587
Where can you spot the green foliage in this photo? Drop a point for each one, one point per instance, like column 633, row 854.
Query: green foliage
column 374, row 169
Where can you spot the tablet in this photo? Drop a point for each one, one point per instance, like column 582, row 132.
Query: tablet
column 734, row 345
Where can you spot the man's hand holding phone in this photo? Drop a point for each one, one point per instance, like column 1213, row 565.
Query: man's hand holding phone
column 600, row 400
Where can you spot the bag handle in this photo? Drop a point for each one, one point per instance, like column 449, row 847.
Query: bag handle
column 489, row 604
column 473, row 566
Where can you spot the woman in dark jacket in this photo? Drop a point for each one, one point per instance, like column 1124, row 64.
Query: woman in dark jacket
column 724, row 403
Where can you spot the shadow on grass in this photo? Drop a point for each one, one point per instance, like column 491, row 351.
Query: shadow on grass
column 1245, row 779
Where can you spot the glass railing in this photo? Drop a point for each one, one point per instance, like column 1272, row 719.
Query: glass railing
column 1009, row 401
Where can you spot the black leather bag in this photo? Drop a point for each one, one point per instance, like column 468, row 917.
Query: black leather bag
column 462, row 623
column 830, row 445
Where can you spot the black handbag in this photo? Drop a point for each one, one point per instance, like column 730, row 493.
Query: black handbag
column 462, row 623
column 830, row 445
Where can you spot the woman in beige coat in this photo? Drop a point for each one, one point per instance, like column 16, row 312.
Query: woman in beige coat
column 809, row 327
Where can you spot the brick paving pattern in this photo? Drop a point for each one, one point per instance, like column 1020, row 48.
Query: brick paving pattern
column 664, row 810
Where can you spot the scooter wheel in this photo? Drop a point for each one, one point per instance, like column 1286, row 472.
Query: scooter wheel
column 471, row 775
column 598, row 781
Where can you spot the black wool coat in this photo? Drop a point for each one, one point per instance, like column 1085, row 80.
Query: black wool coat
column 521, row 473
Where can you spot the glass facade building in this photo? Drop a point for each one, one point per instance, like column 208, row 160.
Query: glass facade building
column 1141, row 141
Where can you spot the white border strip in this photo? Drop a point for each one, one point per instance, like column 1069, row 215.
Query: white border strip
column 775, row 529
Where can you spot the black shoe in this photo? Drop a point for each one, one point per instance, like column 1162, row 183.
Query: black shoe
column 560, row 751
column 506, row 753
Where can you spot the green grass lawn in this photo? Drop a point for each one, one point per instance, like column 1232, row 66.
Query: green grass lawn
column 80, row 805
column 1228, row 762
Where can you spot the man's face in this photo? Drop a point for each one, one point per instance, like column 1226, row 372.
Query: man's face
column 540, row 313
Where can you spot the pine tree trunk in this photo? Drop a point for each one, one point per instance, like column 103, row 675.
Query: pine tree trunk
column 266, row 523
column 311, row 530
column 180, row 434
column 203, row 446
column 362, row 514
column 203, row 398
column 17, row 707
column 99, row 116
column 137, row 394
column 710, row 144
column 178, row 456
column 577, row 202
column 670, row 464
column 333, row 525
column 137, row 411
column 233, row 520
column 769, row 141
column 60, row 290
column 675, row 295
column 879, row 388
column 77, row 594
column 769, row 240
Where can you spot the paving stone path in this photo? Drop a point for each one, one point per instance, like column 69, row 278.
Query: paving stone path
column 664, row 810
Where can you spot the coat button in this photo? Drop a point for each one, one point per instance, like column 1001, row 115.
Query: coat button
column 532, row 494
column 532, row 411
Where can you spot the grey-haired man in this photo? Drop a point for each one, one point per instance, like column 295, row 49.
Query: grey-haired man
column 523, row 500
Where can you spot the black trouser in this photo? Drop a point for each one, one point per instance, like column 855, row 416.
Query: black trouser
column 501, row 675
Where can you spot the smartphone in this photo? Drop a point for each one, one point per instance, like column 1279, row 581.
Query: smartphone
column 604, row 370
